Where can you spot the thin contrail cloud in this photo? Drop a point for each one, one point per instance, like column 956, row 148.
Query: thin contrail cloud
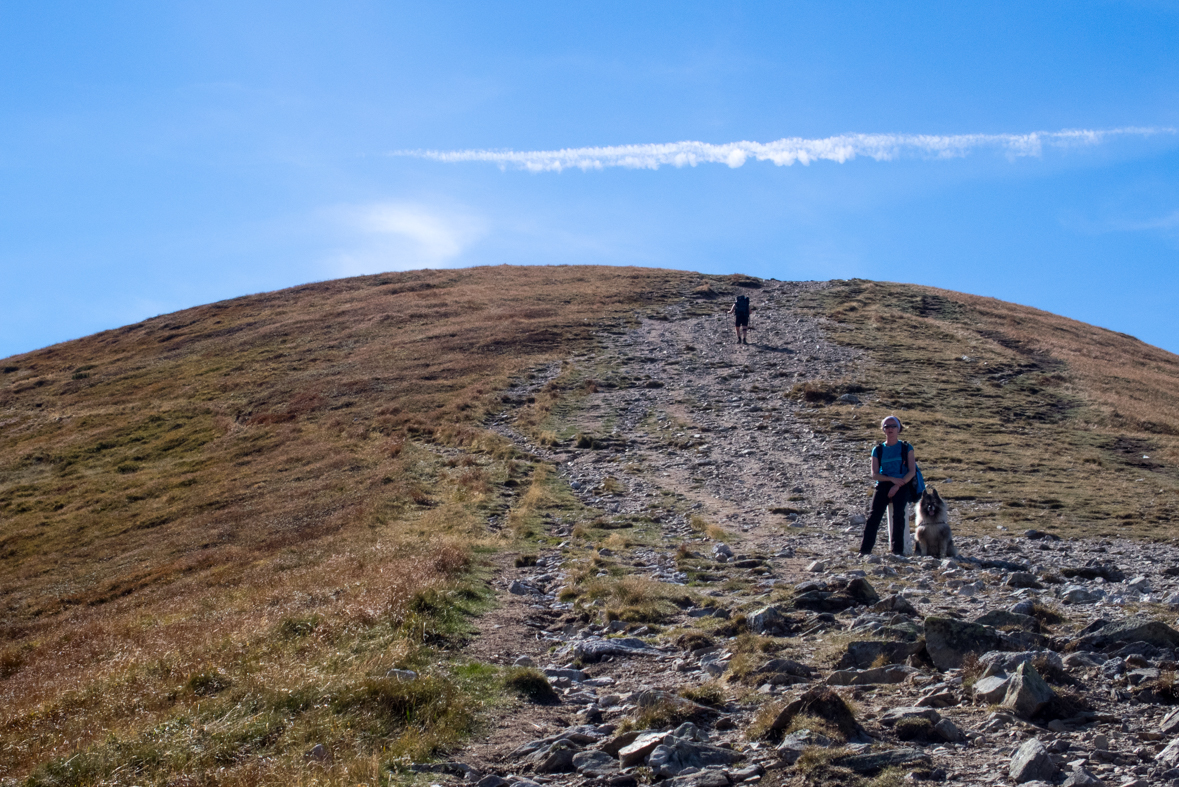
column 785, row 152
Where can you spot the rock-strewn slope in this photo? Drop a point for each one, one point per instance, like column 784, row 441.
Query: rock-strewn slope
column 778, row 654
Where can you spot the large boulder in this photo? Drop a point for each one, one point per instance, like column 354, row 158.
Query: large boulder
column 1002, row 618
column 1131, row 629
column 1027, row 693
column 1008, row 661
column 948, row 731
column 862, row 591
column 862, row 655
column 824, row 601
column 676, row 754
column 636, row 752
column 709, row 777
column 895, row 603
column 817, row 598
column 594, row 763
column 1032, row 762
column 1107, row 571
column 767, row 620
column 948, row 641
column 1169, row 756
column 556, row 758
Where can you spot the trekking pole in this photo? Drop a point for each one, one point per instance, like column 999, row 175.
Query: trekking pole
column 888, row 512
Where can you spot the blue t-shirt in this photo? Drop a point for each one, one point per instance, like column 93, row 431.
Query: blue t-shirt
column 892, row 459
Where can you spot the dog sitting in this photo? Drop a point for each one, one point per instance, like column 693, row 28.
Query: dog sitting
column 933, row 526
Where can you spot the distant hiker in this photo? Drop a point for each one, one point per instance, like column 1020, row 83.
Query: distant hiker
column 894, row 463
column 741, row 309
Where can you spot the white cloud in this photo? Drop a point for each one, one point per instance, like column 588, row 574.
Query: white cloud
column 784, row 152
column 402, row 236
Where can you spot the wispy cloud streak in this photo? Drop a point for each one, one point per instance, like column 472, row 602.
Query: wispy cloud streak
column 785, row 152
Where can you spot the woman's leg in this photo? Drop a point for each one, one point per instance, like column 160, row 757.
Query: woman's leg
column 879, row 502
column 899, row 522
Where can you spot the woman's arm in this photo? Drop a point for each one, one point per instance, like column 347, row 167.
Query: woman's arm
column 910, row 463
column 876, row 476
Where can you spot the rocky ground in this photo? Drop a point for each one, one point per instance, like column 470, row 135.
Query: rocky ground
column 1026, row 659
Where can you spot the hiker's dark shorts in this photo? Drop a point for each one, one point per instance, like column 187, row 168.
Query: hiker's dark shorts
column 742, row 320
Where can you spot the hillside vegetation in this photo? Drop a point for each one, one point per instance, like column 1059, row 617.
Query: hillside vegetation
column 1039, row 421
column 220, row 529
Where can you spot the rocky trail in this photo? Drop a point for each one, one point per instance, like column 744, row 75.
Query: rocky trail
column 1027, row 660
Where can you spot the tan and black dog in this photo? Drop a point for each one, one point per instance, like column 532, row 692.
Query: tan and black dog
column 933, row 526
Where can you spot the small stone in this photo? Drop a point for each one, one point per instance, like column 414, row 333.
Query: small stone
column 948, row 731
column 1079, row 777
column 894, row 715
column 491, row 780
column 518, row 588
column 636, row 753
column 1078, row 594
column 594, row 763
column 991, row 690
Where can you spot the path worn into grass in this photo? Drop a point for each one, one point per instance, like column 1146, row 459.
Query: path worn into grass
column 693, row 431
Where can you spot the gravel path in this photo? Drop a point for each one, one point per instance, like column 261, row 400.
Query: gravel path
column 693, row 428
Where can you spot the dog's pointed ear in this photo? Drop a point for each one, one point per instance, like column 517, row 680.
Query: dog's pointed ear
column 935, row 494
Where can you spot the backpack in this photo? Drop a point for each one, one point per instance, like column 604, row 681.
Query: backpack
column 743, row 305
column 916, row 484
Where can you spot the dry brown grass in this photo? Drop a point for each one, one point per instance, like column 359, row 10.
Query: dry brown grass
column 266, row 498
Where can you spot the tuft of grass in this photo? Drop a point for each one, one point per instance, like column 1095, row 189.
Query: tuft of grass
column 914, row 728
column 816, row 766
column 207, row 682
column 531, row 684
column 661, row 715
column 705, row 694
column 809, row 721
column 972, row 670
column 633, row 599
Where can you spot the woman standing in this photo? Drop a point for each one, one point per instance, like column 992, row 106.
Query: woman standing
column 894, row 463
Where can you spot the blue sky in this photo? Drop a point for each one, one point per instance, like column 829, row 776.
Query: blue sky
column 155, row 155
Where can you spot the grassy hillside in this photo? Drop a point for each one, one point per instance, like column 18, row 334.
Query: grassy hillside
column 1037, row 421
column 221, row 528
column 257, row 508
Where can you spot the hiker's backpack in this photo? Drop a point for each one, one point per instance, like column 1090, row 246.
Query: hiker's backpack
column 742, row 305
column 916, row 484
